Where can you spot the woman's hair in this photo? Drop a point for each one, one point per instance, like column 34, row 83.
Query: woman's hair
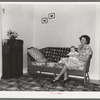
column 86, row 37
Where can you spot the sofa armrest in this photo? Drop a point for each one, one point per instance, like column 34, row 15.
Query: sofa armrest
column 43, row 51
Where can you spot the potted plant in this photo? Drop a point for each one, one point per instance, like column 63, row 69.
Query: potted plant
column 12, row 34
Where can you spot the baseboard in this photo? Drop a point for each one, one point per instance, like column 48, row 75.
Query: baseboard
column 24, row 70
column 0, row 76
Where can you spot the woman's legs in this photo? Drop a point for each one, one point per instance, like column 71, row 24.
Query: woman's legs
column 65, row 76
column 64, row 70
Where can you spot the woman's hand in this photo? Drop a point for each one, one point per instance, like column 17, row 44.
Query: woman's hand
column 84, row 58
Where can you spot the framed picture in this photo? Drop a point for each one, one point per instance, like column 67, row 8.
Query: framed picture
column 44, row 20
column 51, row 15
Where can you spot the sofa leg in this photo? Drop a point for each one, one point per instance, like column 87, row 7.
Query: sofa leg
column 85, row 79
column 88, row 78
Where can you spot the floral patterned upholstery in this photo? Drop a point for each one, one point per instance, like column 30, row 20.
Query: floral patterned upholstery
column 54, row 54
column 48, row 64
column 36, row 55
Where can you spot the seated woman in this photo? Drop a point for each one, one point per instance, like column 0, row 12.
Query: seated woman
column 84, row 51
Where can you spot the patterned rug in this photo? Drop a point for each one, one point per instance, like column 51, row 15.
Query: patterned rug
column 41, row 82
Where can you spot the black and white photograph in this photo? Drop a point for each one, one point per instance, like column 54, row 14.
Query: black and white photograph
column 58, row 58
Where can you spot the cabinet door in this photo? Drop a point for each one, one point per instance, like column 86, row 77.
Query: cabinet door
column 16, row 69
column 16, row 58
column 6, row 65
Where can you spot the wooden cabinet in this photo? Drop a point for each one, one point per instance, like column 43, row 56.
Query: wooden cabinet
column 12, row 58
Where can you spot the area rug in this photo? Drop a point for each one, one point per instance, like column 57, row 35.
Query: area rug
column 41, row 82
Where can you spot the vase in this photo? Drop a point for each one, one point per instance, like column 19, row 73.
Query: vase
column 12, row 38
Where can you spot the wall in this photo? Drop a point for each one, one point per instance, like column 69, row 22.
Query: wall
column 19, row 18
column 97, row 42
column 0, row 42
column 71, row 21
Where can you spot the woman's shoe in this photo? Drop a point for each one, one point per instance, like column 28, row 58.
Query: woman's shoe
column 54, row 81
column 64, row 81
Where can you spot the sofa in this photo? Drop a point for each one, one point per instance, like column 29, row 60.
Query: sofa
column 46, row 59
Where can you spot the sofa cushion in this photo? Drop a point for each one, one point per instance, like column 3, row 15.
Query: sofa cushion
column 38, row 64
column 53, row 64
column 37, row 55
column 48, row 64
column 42, row 60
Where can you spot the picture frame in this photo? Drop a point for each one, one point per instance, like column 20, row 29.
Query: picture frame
column 39, row 95
column 51, row 15
column 44, row 20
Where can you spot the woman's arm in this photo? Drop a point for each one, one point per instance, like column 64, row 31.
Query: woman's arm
column 83, row 58
column 86, row 54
